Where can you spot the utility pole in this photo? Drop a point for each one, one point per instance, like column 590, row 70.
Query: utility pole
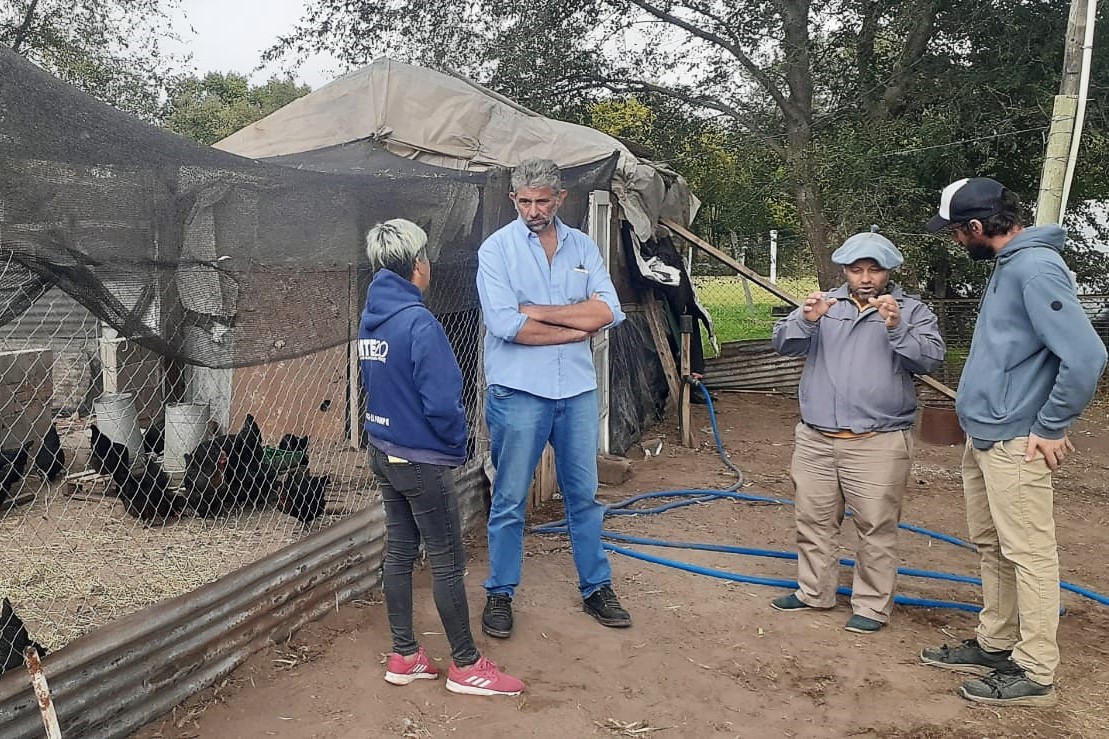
column 1067, row 116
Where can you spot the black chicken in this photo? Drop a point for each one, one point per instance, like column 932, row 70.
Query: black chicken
column 248, row 477
column 303, row 495
column 154, row 440
column 107, row 456
column 50, row 458
column 146, row 495
column 205, row 470
column 14, row 639
column 291, row 443
column 13, row 463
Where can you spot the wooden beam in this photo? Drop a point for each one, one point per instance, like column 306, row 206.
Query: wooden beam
column 770, row 287
column 742, row 269
column 936, row 385
column 685, row 421
column 662, row 348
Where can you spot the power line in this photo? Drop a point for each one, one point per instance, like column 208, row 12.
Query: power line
column 966, row 141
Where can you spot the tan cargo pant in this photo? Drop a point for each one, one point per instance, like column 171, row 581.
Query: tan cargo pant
column 1010, row 518
column 866, row 476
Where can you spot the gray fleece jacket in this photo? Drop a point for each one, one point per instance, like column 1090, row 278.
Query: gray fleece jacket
column 858, row 374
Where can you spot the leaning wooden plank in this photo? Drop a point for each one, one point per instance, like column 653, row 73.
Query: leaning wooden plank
column 743, row 269
column 770, row 287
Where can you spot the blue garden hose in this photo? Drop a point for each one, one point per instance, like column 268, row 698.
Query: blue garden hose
column 698, row 497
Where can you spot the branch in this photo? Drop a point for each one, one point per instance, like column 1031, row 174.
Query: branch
column 24, row 30
column 743, row 117
column 756, row 72
column 921, row 25
column 864, row 45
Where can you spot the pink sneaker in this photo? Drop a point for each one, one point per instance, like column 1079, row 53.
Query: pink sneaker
column 400, row 672
column 482, row 678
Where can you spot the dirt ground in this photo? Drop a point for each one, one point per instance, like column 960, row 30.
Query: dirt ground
column 705, row 657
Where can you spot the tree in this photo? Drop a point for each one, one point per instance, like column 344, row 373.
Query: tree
column 212, row 108
column 111, row 49
column 865, row 108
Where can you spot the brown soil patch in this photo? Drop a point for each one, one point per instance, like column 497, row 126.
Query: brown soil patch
column 705, row 657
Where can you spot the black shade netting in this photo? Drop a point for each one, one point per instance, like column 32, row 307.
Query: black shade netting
column 214, row 259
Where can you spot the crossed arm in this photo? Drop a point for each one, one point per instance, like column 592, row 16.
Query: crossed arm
column 563, row 324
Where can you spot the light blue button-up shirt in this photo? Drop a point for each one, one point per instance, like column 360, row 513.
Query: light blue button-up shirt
column 513, row 271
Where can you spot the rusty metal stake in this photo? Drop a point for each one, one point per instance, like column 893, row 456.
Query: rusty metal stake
column 42, row 692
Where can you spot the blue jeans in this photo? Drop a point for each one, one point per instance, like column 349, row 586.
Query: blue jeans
column 520, row 425
column 421, row 503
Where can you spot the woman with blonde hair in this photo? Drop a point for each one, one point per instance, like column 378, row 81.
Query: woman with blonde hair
column 417, row 433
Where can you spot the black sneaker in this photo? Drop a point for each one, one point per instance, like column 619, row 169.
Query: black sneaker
column 1009, row 687
column 968, row 657
column 496, row 619
column 604, row 606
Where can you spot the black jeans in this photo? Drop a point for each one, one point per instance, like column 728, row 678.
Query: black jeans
column 421, row 503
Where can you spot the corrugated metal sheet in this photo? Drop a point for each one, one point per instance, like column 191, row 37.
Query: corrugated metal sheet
column 120, row 677
column 753, row 365
column 53, row 318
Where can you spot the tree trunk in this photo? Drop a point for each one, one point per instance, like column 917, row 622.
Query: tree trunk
column 810, row 206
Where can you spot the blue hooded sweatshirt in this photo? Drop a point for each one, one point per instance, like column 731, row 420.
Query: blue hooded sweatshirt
column 1035, row 359
column 412, row 380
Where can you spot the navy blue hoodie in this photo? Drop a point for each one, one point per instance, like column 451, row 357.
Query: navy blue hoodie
column 1035, row 359
column 412, row 380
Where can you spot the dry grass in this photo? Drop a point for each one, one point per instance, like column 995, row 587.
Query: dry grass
column 74, row 564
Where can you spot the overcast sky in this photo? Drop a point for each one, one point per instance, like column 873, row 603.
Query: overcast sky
column 230, row 35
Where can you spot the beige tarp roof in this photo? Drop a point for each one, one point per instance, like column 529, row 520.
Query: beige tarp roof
column 452, row 122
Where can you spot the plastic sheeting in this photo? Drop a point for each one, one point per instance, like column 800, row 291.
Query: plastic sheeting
column 452, row 122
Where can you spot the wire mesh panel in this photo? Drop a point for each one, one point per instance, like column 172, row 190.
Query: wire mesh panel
column 957, row 319
column 92, row 529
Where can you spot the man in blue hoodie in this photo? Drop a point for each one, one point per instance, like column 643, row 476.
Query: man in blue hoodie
column 1033, row 366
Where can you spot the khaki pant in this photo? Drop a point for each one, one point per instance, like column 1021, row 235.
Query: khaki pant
column 1010, row 517
column 866, row 476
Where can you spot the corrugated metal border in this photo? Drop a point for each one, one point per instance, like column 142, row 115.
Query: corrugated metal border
column 753, row 365
column 115, row 680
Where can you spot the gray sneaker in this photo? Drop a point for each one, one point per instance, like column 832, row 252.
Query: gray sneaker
column 1009, row 687
column 968, row 657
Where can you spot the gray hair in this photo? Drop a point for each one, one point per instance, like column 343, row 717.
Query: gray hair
column 396, row 245
column 537, row 173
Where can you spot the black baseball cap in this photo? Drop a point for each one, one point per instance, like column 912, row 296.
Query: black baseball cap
column 965, row 200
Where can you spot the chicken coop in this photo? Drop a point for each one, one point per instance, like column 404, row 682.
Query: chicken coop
column 144, row 278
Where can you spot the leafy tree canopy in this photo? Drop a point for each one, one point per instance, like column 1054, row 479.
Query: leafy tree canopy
column 213, row 107
column 111, row 49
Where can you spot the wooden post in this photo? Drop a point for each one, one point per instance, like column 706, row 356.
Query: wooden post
column 685, row 421
column 1066, row 126
column 662, row 348
column 746, row 283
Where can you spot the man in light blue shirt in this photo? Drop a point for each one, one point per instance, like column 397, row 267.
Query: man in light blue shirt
column 544, row 293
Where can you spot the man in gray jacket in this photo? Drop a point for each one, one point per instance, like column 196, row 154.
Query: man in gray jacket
column 1033, row 367
column 853, row 449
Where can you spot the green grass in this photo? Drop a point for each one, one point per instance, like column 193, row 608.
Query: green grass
column 726, row 302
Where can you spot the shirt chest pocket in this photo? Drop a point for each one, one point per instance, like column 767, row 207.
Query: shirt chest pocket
column 575, row 285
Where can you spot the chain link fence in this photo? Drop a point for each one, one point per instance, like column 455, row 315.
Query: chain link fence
column 79, row 552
